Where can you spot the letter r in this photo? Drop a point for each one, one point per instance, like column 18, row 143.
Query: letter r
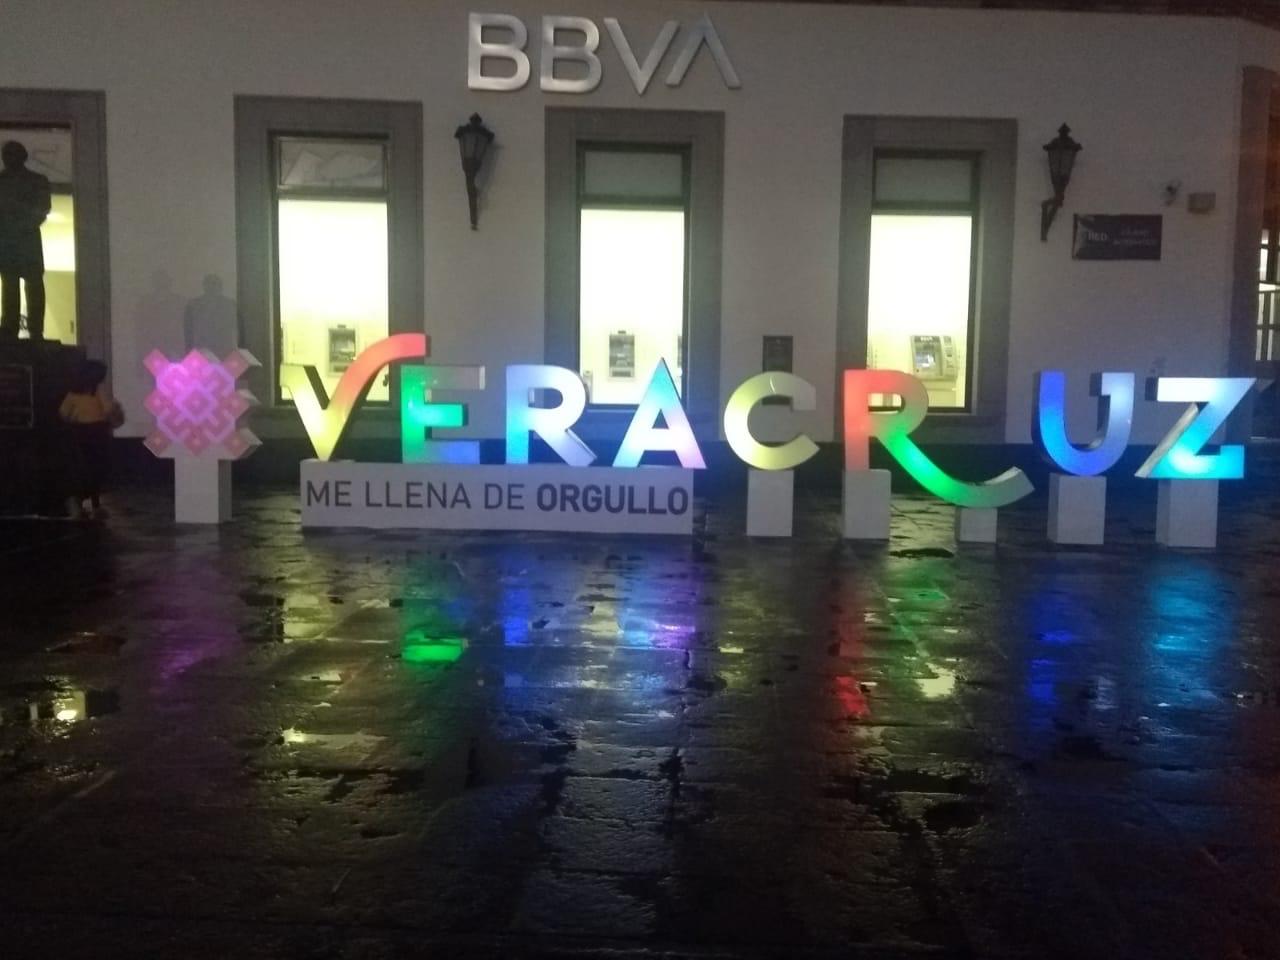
column 893, row 430
column 861, row 423
column 552, row 424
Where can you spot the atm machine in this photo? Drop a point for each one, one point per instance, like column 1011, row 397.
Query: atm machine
column 619, row 367
column 342, row 348
column 933, row 360
column 622, row 355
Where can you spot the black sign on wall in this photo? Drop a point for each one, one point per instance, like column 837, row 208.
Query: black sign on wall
column 1101, row 236
column 17, row 400
column 777, row 356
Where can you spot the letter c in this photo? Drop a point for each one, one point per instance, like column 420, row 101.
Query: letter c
column 737, row 412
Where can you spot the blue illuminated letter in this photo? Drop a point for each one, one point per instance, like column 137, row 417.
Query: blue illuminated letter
column 1115, row 421
column 1178, row 456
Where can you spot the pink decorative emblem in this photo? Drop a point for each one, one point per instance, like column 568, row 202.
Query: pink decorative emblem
column 197, row 406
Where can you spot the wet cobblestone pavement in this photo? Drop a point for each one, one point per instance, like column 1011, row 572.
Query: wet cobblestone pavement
column 251, row 742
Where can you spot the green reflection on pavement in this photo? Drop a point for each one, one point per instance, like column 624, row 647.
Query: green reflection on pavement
column 420, row 648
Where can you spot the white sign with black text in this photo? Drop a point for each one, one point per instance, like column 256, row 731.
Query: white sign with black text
column 546, row 497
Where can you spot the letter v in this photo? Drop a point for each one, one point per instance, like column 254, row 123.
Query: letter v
column 641, row 75
column 326, row 425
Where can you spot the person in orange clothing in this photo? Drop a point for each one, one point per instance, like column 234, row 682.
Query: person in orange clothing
column 92, row 416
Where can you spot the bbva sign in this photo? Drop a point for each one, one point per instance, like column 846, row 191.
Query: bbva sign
column 557, row 48
column 1180, row 455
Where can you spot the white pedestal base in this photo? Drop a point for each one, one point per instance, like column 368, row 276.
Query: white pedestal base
column 865, row 505
column 975, row 525
column 1187, row 513
column 770, row 502
column 201, row 490
column 1077, row 509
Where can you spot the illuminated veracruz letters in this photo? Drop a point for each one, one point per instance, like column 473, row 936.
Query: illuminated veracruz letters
column 893, row 429
column 420, row 414
column 783, row 456
column 326, row 419
column 643, row 435
column 1178, row 456
column 550, row 423
column 1115, row 422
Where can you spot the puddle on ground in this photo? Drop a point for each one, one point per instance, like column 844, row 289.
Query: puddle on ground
column 953, row 815
column 852, row 697
column 332, row 786
column 1258, row 698
column 1084, row 747
column 937, row 687
column 72, row 706
column 89, row 641
column 930, row 595
column 331, row 741
column 942, row 779
column 420, row 647
column 706, row 684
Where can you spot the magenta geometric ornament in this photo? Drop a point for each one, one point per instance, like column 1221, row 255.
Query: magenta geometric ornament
column 197, row 405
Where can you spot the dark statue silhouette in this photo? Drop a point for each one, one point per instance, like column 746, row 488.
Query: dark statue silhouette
column 24, row 203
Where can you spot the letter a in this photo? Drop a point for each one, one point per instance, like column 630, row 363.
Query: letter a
column 703, row 31
column 660, row 397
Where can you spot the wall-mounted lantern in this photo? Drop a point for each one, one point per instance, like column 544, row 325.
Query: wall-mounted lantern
column 1062, row 152
column 473, row 139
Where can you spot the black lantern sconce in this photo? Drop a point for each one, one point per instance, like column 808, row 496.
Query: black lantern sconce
column 473, row 139
column 1062, row 152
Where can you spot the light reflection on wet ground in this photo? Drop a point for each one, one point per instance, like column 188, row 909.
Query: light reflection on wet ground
column 252, row 742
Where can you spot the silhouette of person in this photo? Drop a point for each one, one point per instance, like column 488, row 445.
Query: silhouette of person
column 210, row 321
column 25, row 201
column 159, row 318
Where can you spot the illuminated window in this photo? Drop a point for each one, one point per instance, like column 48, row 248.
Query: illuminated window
column 920, row 297
column 632, row 219
column 49, row 153
column 332, row 256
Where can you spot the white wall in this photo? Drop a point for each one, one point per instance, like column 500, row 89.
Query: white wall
column 1151, row 98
